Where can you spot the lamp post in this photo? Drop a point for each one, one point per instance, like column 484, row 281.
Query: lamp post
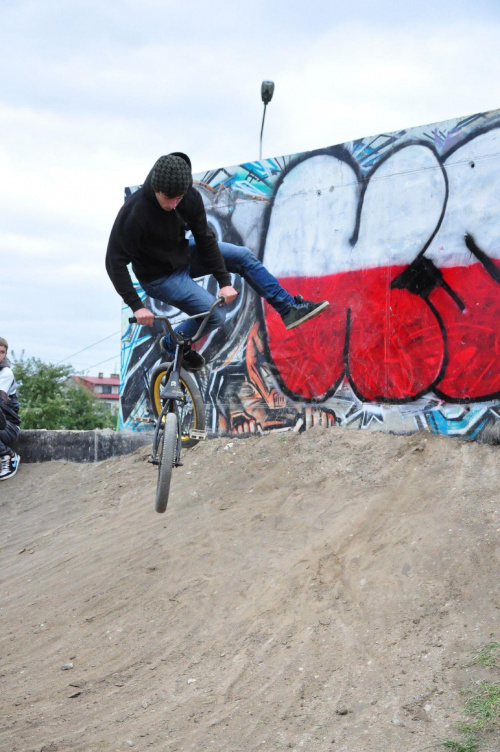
column 266, row 92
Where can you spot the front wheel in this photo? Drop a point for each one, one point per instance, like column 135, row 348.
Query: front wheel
column 193, row 412
column 167, row 455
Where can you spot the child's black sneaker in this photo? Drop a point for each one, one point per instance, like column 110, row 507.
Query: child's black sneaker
column 8, row 465
column 303, row 310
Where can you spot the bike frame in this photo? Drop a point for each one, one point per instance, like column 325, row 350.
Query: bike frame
column 172, row 394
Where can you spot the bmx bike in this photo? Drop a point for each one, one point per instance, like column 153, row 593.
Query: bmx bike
column 177, row 406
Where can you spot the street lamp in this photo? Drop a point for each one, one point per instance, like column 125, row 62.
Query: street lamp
column 266, row 92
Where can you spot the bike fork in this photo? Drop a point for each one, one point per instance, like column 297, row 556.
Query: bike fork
column 169, row 407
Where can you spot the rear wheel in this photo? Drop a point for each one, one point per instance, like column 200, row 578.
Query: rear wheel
column 166, row 457
column 193, row 413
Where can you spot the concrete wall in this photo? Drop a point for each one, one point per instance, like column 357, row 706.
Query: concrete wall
column 400, row 232
column 77, row 446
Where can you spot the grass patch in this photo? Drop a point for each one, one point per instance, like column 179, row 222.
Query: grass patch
column 468, row 746
column 489, row 655
column 484, row 707
column 482, row 712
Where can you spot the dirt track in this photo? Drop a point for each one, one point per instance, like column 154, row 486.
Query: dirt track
column 323, row 592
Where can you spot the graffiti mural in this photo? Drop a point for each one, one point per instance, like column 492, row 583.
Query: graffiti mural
column 401, row 234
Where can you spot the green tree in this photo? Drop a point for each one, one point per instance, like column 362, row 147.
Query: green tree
column 50, row 398
column 85, row 411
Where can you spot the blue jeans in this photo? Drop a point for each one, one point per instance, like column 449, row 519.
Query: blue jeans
column 180, row 290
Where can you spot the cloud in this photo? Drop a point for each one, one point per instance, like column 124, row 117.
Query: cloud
column 357, row 83
column 93, row 93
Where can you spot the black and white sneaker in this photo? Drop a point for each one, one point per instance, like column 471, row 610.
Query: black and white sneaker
column 192, row 360
column 303, row 310
column 8, row 465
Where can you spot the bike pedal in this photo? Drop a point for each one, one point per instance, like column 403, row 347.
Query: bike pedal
column 197, row 434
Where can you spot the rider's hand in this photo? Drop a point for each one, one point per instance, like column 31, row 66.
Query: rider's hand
column 228, row 293
column 144, row 317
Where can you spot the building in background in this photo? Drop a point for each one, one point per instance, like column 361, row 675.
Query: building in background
column 105, row 389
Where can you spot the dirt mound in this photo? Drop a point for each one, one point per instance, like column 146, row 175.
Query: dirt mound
column 316, row 592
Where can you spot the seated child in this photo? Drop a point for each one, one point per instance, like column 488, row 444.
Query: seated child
column 9, row 416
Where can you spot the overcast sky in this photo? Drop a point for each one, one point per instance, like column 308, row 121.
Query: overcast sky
column 92, row 92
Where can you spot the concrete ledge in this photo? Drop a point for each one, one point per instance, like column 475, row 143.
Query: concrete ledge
column 78, row 446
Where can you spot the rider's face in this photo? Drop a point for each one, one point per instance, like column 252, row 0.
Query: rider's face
column 166, row 203
column 3, row 352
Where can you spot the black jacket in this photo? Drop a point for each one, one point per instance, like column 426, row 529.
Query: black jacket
column 154, row 240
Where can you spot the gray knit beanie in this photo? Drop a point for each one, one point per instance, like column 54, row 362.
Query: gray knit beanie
column 171, row 176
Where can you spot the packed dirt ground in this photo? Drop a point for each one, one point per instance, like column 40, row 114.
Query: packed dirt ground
column 323, row 592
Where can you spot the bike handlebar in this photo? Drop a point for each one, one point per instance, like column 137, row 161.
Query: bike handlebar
column 206, row 315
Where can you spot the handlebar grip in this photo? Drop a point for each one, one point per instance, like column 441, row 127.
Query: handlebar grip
column 132, row 320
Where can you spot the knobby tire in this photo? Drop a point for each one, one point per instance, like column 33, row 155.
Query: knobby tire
column 167, row 460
